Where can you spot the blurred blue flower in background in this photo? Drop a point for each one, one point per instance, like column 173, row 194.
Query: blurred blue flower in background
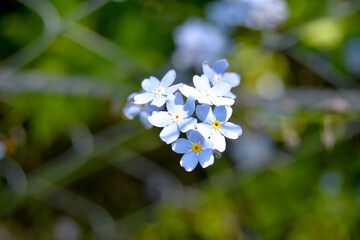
column 197, row 41
column 254, row 14
column 253, row 152
column 331, row 183
column 352, row 56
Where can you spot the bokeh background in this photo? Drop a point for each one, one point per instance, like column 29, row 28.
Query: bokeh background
column 73, row 168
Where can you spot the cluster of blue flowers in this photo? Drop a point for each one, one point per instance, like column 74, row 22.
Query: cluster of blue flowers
column 203, row 117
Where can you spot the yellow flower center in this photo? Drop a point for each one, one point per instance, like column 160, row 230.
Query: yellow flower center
column 159, row 91
column 196, row 147
column 216, row 125
column 217, row 78
column 176, row 118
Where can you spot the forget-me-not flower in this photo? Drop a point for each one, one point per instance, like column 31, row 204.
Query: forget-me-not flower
column 195, row 149
column 156, row 91
column 254, row 14
column 217, row 73
column 215, row 125
column 177, row 118
column 133, row 110
column 196, row 41
column 204, row 93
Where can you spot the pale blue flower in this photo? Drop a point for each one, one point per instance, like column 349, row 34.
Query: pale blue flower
column 156, row 91
column 195, row 149
column 217, row 73
column 254, row 14
column 197, row 41
column 204, row 93
column 133, row 110
column 215, row 125
column 177, row 118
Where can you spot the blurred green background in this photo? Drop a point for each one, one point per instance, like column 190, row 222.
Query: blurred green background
column 74, row 168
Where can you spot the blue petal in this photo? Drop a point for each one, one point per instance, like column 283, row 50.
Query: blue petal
column 204, row 113
column 150, row 84
column 231, row 130
column 189, row 107
column 172, row 89
column 159, row 100
column 201, row 83
column 168, row 79
column 181, row 145
column 143, row 98
column 220, row 89
column 222, row 113
column 131, row 111
column 175, row 103
column 220, row 66
column 160, row 119
column 232, row 78
column 208, row 144
column 131, row 97
column 206, row 158
column 219, row 141
column 208, row 71
column 170, row 133
column 187, row 124
column 205, row 129
column 195, row 137
column 189, row 161
column 144, row 119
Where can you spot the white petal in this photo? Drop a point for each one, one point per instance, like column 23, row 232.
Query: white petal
column 172, row 89
column 170, row 133
column 219, row 141
column 189, row 161
column 143, row 98
column 201, row 83
column 160, row 119
column 206, row 158
column 159, row 100
column 188, row 91
column 218, row 101
column 150, row 84
column 205, row 129
column 220, row 89
column 231, row 130
column 168, row 79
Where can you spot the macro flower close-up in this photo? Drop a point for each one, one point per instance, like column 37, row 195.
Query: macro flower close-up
column 202, row 119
